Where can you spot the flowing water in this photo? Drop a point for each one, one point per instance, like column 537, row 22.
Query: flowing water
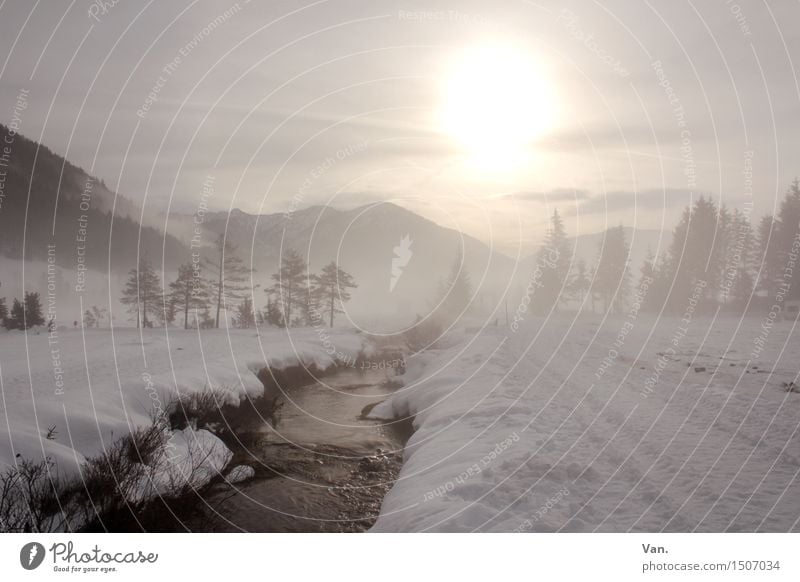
column 322, row 467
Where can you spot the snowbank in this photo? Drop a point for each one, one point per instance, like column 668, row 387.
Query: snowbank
column 191, row 458
column 577, row 426
column 68, row 395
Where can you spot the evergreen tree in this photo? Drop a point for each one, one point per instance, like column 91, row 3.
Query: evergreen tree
column 245, row 318
column 291, row 287
column 3, row 311
column 723, row 241
column 650, row 286
column 143, row 294
column 331, row 289
column 99, row 314
column 89, row 320
column 33, row 310
column 17, row 318
column 694, row 255
column 612, row 278
column 580, row 282
column 273, row 314
column 205, row 319
column 189, row 291
column 738, row 274
column 554, row 259
column 788, row 229
column 169, row 312
column 231, row 275
column 768, row 257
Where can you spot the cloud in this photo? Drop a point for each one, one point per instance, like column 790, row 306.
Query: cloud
column 667, row 199
column 549, row 196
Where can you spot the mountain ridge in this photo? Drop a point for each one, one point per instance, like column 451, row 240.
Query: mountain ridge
column 39, row 183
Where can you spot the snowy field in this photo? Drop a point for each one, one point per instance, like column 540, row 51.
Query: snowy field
column 69, row 396
column 570, row 425
column 576, row 426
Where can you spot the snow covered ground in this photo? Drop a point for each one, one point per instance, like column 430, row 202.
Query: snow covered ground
column 638, row 425
column 68, row 396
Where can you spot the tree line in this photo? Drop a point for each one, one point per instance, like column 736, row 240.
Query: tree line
column 224, row 282
column 28, row 313
column 204, row 289
column 715, row 249
column 22, row 314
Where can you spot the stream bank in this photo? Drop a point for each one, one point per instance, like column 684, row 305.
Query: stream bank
column 320, row 466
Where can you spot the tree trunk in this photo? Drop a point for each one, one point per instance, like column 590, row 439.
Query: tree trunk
column 219, row 289
column 333, row 299
column 186, row 312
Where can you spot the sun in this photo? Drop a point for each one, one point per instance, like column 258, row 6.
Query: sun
column 496, row 101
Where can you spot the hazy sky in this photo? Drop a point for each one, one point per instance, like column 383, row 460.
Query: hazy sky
column 289, row 104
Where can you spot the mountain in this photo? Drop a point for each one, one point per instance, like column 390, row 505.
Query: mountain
column 48, row 205
column 364, row 241
column 397, row 257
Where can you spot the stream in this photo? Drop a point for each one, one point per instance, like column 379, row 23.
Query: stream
column 323, row 467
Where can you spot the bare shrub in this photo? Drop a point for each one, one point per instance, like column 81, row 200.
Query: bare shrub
column 34, row 498
column 115, row 485
column 135, row 484
column 199, row 409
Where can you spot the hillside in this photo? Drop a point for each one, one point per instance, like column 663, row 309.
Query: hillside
column 49, row 201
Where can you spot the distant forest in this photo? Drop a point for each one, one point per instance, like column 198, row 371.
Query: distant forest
column 717, row 259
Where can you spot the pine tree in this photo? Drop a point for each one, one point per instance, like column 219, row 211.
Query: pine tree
column 206, row 321
column 554, row 260
column 291, row 287
column 143, row 294
column 3, row 311
column 273, row 314
column 331, row 289
column 99, row 314
column 694, row 255
column 17, row 318
column 169, row 312
column 33, row 310
column 89, row 320
column 189, row 291
column 612, row 278
column 580, row 282
column 738, row 281
column 723, row 243
column 245, row 318
column 768, row 257
column 788, row 231
column 231, row 275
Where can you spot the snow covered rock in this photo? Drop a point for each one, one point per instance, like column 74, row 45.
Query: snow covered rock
column 240, row 473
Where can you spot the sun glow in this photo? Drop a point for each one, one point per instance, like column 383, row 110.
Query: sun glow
column 496, row 102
